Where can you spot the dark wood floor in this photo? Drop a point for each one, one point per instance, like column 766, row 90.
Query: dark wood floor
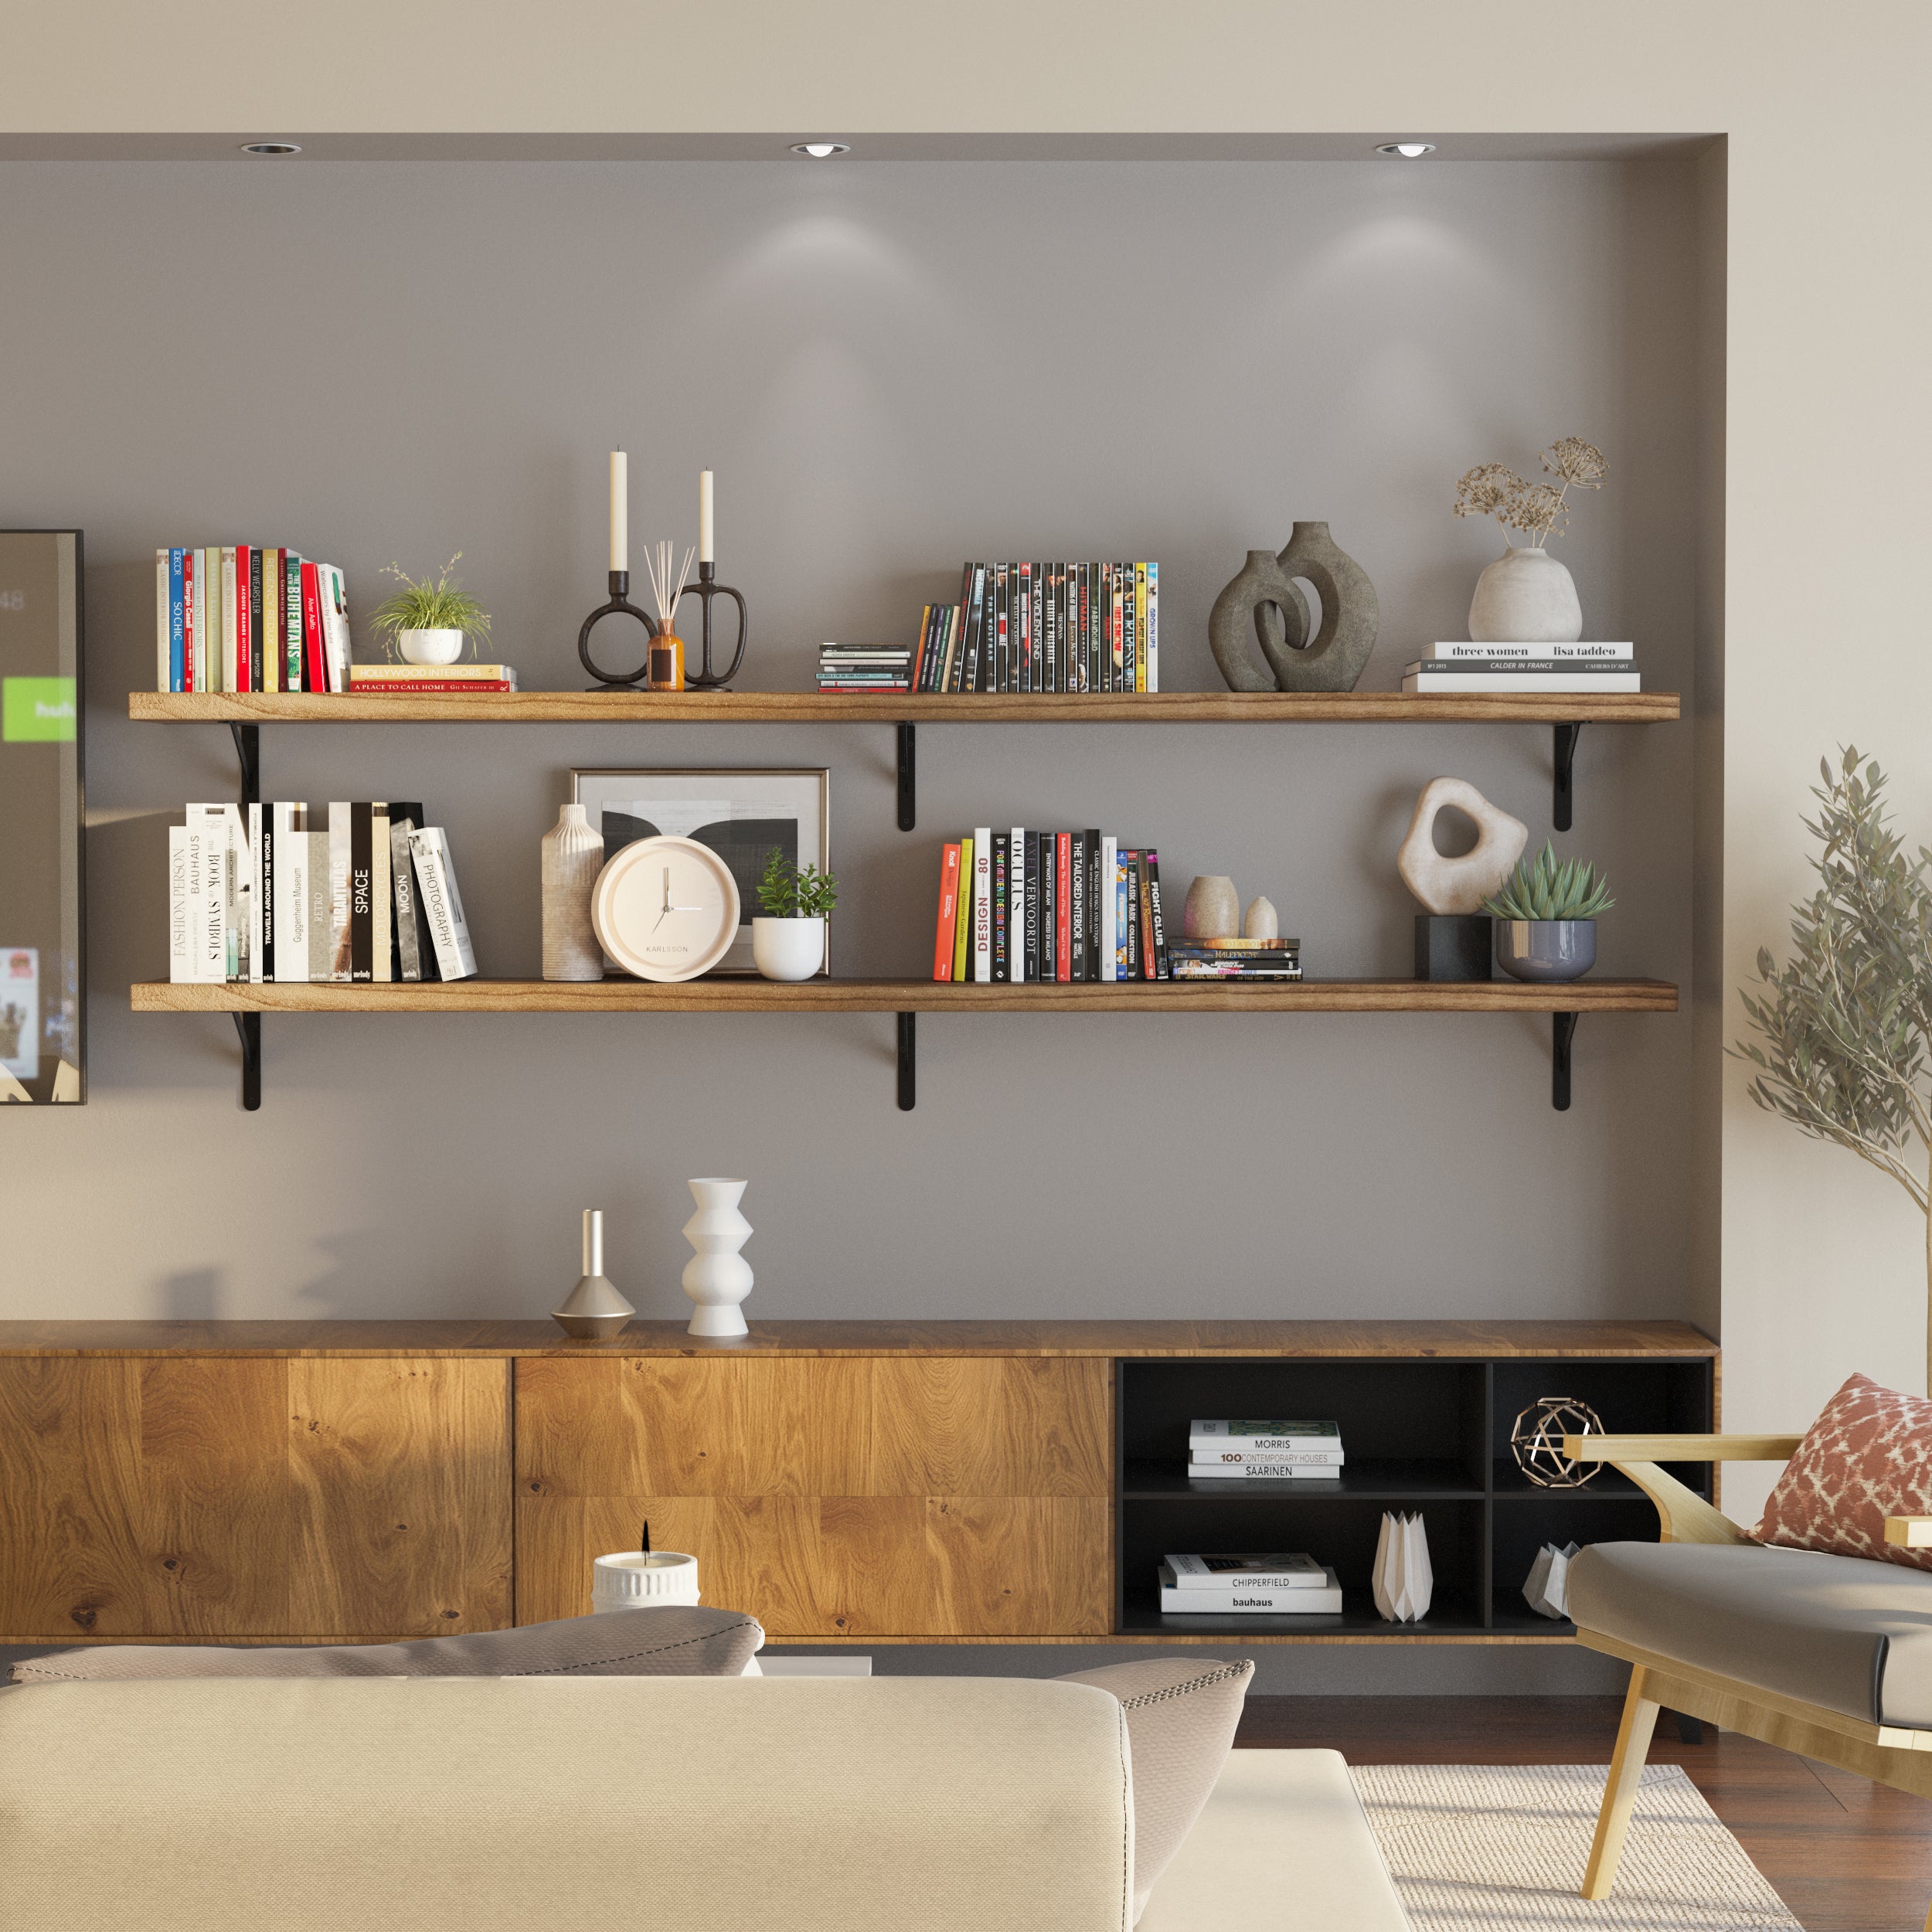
column 1845, row 1854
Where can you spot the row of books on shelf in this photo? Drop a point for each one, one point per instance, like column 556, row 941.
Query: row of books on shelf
column 1262, row 1583
column 1241, row 1449
column 1072, row 906
column 259, row 896
column 1472, row 669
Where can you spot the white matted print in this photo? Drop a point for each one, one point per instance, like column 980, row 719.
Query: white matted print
column 740, row 815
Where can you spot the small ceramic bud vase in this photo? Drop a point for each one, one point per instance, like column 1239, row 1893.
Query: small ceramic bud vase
column 1213, row 909
column 593, row 1310
column 573, row 857
column 717, row 1277
column 1261, row 921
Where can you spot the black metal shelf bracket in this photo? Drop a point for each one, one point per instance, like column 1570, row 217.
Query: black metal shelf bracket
column 908, row 1059
column 249, row 1027
column 1563, row 1029
column 248, row 755
column 908, row 780
column 1564, row 798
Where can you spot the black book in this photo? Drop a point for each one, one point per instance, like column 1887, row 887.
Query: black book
column 362, row 903
column 1130, row 865
column 1158, row 929
column 255, row 619
column 1049, row 902
column 1031, row 969
column 1083, row 628
column 1077, row 907
column 1055, row 613
column 1002, row 923
column 1090, row 919
column 966, row 673
column 1130, row 631
column 408, row 817
column 1036, row 641
column 1026, row 623
column 1002, row 614
column 265, row 883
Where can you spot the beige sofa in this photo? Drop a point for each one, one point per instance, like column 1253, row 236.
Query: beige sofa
column 684, row 1804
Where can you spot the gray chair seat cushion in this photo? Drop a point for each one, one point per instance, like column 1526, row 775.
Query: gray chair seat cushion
column 1844, row 1632
column 676, row 1641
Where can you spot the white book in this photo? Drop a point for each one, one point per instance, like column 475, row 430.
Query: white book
column 230, row 642
column 1244, row 1432
column 983, row 904
column 1109, row 866
column 338, row 850
column 1424, row 682
column 164, row 667
column 257, row 898
column 334, row 591
column 1302, row 1459
column 221, row 828
column 211, row 929
column 180, row 925
column 291, row 892
column 1262, row 1471
column 1325, row 1599
column 319, row 918
column 1580, row 653
column 1016, row 904
column 1280, row 1570
column 442, row 903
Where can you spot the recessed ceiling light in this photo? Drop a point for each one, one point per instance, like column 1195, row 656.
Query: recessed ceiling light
column 270, row 147
column 821, row 150
column 1408, row 150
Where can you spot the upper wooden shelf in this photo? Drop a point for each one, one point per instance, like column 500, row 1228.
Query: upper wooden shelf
column 811, row 707
column 752, row 996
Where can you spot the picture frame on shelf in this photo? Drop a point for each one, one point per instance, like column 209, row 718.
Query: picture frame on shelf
column 738, row 812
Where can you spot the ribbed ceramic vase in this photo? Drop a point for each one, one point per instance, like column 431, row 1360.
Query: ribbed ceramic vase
column 573, row 857
column 717, row 1277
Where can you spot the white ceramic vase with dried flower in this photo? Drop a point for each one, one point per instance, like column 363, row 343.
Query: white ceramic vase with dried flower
column 573, row 857
column 1526, row 597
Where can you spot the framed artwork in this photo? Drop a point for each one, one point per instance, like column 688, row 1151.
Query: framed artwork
column 740, row 815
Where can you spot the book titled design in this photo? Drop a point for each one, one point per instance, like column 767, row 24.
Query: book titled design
column 983, row 904
column 1285, row 1570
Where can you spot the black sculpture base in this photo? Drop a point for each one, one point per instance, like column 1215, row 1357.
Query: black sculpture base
column 1456, row 946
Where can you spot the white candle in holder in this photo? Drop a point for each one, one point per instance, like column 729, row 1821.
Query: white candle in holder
column 620, row 511
column 707, row 552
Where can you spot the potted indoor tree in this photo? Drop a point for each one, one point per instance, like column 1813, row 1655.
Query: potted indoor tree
column 789, row 941
column 1546, row 917
column 428, row 623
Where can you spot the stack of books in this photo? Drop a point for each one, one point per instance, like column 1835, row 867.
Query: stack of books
column 1279, row 1585
column 865, row 666
column 258, row 895
column 462, row 679
column 1066, row 905
column 1267, row 959
column 1049, row 628
column 1471, row 668
column 236, row 618
column 1242, row 1450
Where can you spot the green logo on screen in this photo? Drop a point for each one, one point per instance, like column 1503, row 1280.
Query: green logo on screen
column 36, row 710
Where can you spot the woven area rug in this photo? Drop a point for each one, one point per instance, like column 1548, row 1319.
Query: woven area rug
column 1501, row 1847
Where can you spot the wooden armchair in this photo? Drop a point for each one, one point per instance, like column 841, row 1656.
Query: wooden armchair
column 1897, row 1600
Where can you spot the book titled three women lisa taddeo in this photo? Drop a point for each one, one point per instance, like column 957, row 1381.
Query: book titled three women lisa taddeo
column 1022, row 906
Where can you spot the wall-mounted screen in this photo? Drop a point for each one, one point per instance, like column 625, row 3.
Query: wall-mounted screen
column 42, row 971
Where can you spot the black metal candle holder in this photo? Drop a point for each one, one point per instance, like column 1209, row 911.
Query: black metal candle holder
column 707, row 587
column 619, row 605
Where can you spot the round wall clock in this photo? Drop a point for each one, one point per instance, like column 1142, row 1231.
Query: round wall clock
column 666, row 909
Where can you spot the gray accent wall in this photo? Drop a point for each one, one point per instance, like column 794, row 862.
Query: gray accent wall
column 890, row 366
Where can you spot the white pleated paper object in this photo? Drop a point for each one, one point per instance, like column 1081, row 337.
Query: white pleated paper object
column 1547, row 1592
column 1404, row 1581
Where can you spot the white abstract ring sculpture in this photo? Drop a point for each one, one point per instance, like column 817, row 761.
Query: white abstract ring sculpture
column 1447, row 886
column 717, row 1277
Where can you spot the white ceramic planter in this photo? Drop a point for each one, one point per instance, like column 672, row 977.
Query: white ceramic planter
column 430, row 647
column 717, row 1277
column 789, row 949
column 1525, row 597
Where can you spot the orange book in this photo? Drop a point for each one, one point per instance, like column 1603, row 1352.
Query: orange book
column 948, row 913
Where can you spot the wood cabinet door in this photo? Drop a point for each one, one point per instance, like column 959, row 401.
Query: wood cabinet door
column 221, row 1499
column 828, row 1497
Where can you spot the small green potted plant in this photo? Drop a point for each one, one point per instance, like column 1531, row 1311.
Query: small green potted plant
column 428, row 623
column 788, row 942
column 1546, row 917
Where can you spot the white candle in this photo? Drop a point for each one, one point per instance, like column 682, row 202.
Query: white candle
column 707, row 553
column 593, row 1240
column 620, row 511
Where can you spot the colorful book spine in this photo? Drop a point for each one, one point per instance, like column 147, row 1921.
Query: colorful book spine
column 177, row 620
column 234, row 675
column 292, row 653
column 1153, row 626
column 947, row 933
column 1003, row 908
column 963, row 939
column 1064, row 926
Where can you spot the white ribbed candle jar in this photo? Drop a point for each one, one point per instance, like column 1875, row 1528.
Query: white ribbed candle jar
column 643, row 1580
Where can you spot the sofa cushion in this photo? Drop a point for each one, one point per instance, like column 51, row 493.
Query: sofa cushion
column 1868, row 1456
column 1841, row 1632
column 676, row 1641
column 1181, row 1715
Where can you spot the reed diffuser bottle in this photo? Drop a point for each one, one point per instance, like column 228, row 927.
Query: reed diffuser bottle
column 667, row 647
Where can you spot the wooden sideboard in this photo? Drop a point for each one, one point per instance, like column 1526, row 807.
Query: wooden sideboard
column 844, row 1481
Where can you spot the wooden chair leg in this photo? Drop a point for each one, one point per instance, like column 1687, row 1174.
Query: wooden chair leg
column 1620, row 1789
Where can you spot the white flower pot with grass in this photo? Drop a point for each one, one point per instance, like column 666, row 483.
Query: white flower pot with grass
column 429, row 624
column 1546, row 917
column 789, row 942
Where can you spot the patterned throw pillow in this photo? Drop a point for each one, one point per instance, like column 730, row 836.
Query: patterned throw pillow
column 1868, row 1456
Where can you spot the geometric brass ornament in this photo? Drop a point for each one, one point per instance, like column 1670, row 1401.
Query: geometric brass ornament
column 1537, row 1441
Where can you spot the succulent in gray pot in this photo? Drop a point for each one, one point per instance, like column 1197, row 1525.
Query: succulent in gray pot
column 1546, row 917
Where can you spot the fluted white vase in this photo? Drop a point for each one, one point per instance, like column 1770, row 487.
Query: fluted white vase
column 573, row 857
column 717, row 1277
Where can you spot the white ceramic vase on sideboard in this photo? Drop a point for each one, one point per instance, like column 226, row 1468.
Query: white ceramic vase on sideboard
column 573, row 857
column 1525, row 597
column 717, row 1277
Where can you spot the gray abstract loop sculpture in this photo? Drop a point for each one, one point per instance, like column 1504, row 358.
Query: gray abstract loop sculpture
column 1339, row 653
column 1262, row 598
